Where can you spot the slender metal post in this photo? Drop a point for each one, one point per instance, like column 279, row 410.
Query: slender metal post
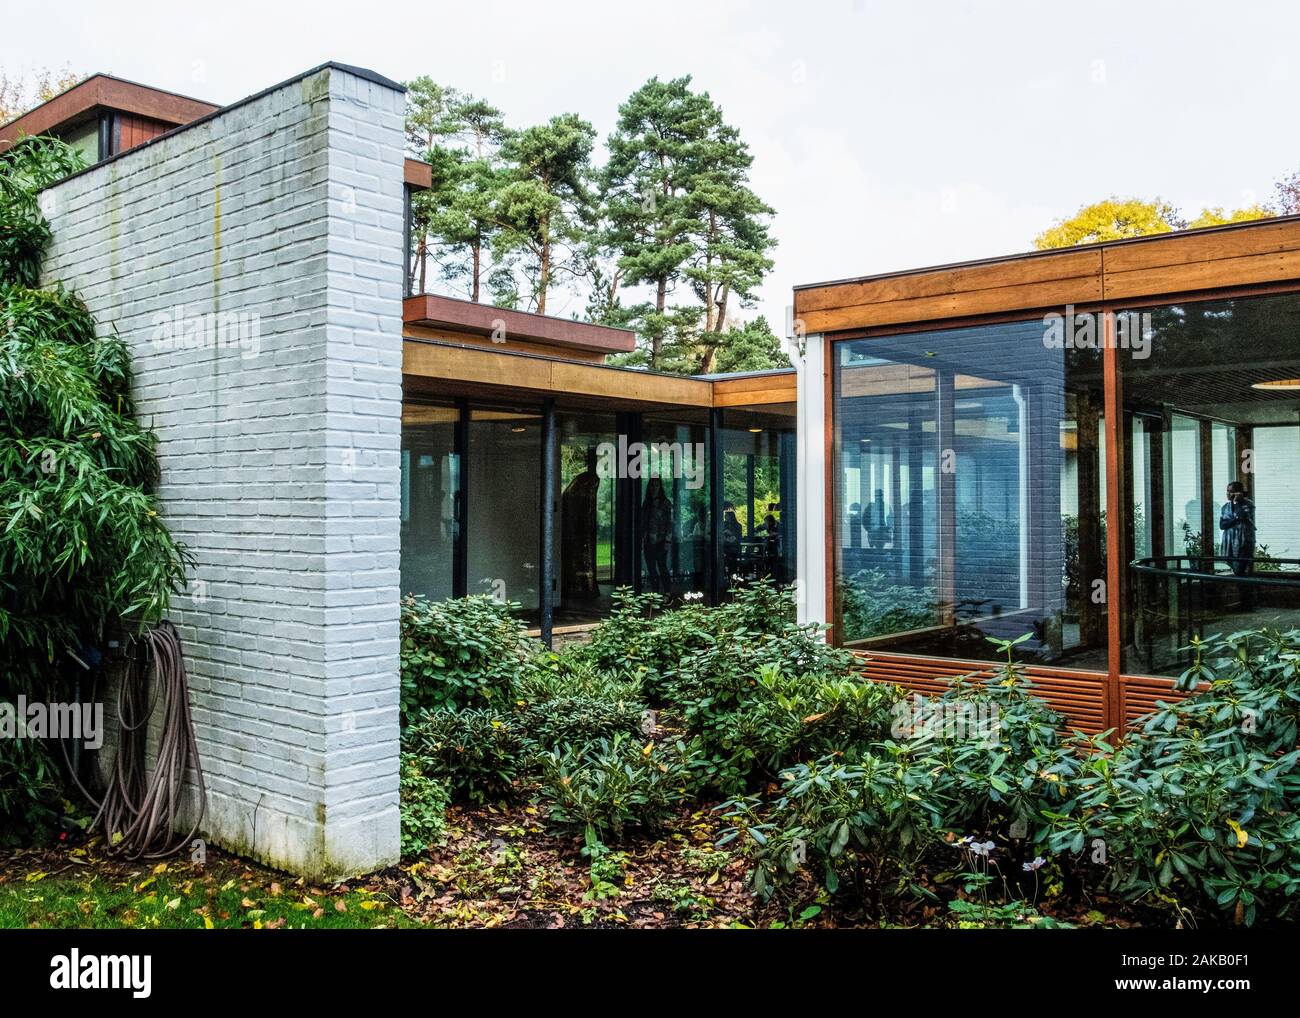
column 718, row 566
column 460, row 499
column 550, row 454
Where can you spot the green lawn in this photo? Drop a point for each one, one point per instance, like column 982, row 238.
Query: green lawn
column 80, row 891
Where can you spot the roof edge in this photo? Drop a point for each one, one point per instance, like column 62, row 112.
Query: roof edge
column 360, row 72
column 1024, row 255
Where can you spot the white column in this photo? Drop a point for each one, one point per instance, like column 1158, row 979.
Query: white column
column 809, row 359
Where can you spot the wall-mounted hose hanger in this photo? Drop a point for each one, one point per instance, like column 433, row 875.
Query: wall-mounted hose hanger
column 138, row 812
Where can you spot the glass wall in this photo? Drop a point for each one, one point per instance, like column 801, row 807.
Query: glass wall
column 634, row 504
column 674, row 503
column 586, row 515
column 503, row 505
column 968, row 495
column 431, row 500
column 758, row 499
column 1218, row 387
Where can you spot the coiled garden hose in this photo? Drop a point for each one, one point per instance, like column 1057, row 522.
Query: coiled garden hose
column 138, row 812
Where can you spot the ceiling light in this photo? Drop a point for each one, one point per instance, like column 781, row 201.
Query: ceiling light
column 1281, row 385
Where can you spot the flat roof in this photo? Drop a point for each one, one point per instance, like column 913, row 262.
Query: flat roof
column 450, row 313
column 1159, row 268
column 1100, row 245
column 104, row 91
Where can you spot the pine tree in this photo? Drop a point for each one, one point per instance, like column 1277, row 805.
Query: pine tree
column 545, row 207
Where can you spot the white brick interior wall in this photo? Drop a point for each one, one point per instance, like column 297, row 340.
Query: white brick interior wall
column 279, row 442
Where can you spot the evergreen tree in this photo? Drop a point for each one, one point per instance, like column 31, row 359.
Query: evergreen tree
column 545, row 207
column 454, row 222
column 679, row 209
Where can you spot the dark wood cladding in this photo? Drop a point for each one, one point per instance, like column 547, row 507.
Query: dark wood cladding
column 102, row 91
column 1092, row 702
column 130, row 131
column 1191, row 261
column 418, row 175
column 434, row 311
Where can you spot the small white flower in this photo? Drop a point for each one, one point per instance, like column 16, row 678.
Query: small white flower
column 1029, row 867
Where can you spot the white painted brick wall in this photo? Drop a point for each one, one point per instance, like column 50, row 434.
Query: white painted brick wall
column 280, row 460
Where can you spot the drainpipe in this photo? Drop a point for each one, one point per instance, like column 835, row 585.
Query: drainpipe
column 546, row 584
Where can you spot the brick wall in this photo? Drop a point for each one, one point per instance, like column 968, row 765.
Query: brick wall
column 253, row 263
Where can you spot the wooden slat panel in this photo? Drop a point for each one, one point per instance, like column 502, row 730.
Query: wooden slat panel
column 1079, row 696
column 1053, row 293
column 1009, row 274
column 1245, row 270
column 1265, row 237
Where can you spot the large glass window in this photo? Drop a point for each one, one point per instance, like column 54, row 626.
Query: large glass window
column 968, row 492
column 1218, row 385
column 503, row 518
column 758, row 493
column 431, row 503
column 586, row 516
column 673, row 509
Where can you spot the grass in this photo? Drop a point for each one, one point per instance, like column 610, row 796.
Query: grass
column 91, row 892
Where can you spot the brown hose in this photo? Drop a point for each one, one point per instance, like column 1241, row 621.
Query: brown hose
column 137, row 815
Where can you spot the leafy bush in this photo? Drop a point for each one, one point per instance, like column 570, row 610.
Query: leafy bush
column 424, row 801
column 997, row 779
column 612, row 785
column 578, row 720
column 641, row 639
column 867, row 825
column 465, row 652
column 83, row 551
column 477, row 751
column 760, row 690
column 552, row 675
column 982, row 760
column 1197, row 810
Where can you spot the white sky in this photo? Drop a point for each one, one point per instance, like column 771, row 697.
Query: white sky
column 887, row 135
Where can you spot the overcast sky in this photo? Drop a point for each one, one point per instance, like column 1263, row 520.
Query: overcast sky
column 886, row 135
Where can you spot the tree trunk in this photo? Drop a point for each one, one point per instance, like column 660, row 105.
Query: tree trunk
column 543, row 276
column 657, row 340
column 424, row 260
column 477, row 249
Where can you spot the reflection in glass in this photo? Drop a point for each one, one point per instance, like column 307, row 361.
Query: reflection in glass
column 1223, row 449
column 968, row 473
column 430, row 510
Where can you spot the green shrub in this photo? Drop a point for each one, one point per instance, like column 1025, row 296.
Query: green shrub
column 763, row 691
column 612, row 785
column 995, row 778
column 479, row 752
column 984, row 761
column 578, row 720
column 83, row 550
column 866, row 825
column 1196, row 812
column 424, row 801
column 640, row 638
column 465, row 652
column 571, row 672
